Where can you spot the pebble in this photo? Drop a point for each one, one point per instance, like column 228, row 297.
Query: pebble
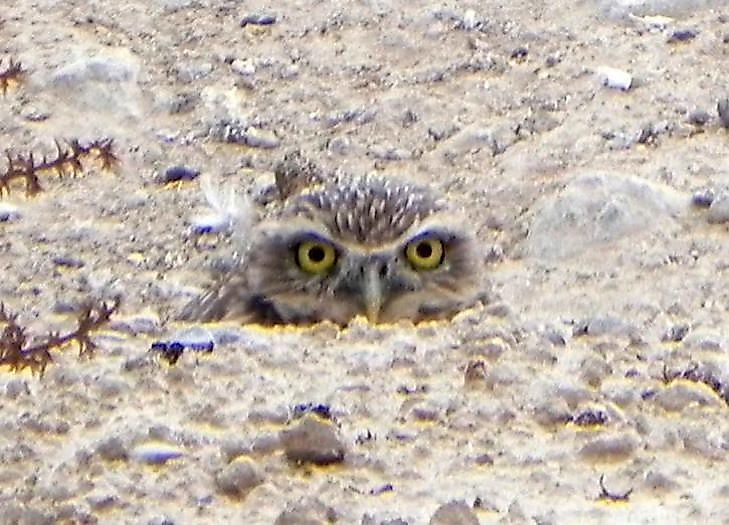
column 719, row 209
column 703, row 198
column 682, row 394
column 16, row 387
column 156, row 452
column 258, row 20
column 676, row 333
column 112, row 449
column 144, row 323
column 614, row 78
column 699, row 117
column 722, row 108
column 189, row 72
column 596, row 209
column 609, row 448
column 243, row 67
column 178, row 173
column 313, row 440
column 682, row 35
column 307, row 511
column 9, row 212
column 238, row 133
column 454, row 513
column 238, row 478
column 195, row 338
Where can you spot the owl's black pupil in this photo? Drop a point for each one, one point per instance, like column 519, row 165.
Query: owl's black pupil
column 424, row 250
column 316, row 254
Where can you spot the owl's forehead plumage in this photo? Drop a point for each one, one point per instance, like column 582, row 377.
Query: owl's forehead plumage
column 368, row 210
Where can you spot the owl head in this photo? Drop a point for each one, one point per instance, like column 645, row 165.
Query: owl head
column 369, row 247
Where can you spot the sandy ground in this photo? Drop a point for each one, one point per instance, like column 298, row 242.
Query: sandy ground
column 600, row 349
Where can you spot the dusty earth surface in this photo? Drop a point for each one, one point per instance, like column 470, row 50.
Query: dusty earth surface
column 599, row 351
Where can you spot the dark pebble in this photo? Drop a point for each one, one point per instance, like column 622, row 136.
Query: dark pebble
column 722, row 107
column 258, row 20
column 68, row 262
column 178, row 173
column 320, row 410
column 703, row 198
column 382, row 489
column 590, row 417
column 520, row 53
column 682, row 35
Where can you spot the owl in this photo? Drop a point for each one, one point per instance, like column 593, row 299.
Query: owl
column 335, row 250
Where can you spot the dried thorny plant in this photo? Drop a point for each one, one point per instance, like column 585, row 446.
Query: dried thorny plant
column 68, row 159
column 19, row 351
column 11, row 75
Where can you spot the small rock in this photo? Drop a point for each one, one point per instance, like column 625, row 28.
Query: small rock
column 699, row 117
column 189, row 72
column 676, row 333
column 660, row 482
column 112, row 449
column 16, row 387
column 258, row 20
column 682, row 35
column 614, row 78
column 196, row 338
column 67, row 261
column 722, row 107
column 703, row 198
column 9, row 212
column 144, row 323
column 677, row 396
column 610, row 448
column 313, row 440
column 238, row 478
column 178, row 173
column 261, row 138
column 156, row 452
column 243, row 67
column 454, row 513
column 719, row 209
column 307, row 512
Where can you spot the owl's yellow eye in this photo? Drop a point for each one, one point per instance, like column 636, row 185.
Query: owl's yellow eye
column 425, row 254
column 315, row 257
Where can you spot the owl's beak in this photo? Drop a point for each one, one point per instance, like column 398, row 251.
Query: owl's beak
column 372, row 291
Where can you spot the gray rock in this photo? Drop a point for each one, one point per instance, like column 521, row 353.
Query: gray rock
column 243, row 67
column 189, row 72
column 609, row 448
column 719, row 209
column 112, row 449
column 599, row 209
column 307, row 512
column 313, row 440
column 101, row 83
column 677, row 396
column 238, row 478
column 454, row 513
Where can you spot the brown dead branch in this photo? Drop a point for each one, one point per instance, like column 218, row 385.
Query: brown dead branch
column 18, row 351
column 68, row 160
column 12, row 75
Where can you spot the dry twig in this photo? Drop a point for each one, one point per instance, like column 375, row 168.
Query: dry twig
column 13, row 74
column 18, row 351
column 68, row 160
